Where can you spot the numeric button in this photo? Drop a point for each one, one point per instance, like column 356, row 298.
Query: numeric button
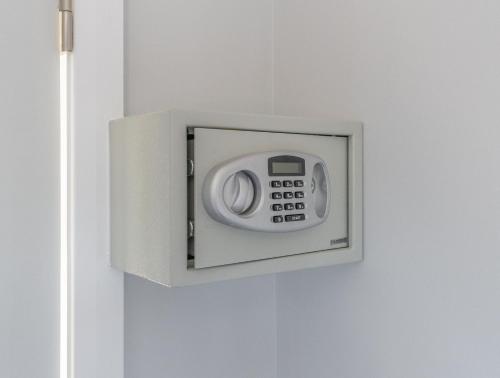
column 277, row 219
column 288, row 206
column 287, row 184
column 295, row 217
column 276, row 195
column 299, row 205
column 288, row 195
column 277, row 207
column 299, row 194
column 298, row 183
column 276, row 184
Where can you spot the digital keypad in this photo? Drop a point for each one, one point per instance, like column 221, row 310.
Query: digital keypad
column 289, row 192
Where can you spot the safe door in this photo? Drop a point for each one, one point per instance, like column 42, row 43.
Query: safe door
column 256, row 195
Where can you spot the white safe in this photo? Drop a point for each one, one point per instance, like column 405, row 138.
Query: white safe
column 201, row 196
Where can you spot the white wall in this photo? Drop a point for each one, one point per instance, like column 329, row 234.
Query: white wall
column 424, row 77
column 198, row 54
column 225, row 329
column 97, row 96
column 215, row 56
column 29, row 188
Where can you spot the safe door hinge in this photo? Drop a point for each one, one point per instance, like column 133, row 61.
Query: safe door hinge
column 190, row 167
column 66, row 25
column 190, row 228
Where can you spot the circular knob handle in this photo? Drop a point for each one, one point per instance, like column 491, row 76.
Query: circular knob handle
column 239, row 192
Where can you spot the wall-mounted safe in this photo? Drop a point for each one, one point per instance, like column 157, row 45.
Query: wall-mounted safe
column 198, row 196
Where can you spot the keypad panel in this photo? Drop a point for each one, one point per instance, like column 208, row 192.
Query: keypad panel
column 287, row 196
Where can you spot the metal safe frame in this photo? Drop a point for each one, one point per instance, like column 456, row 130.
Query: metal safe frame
column 150, row 207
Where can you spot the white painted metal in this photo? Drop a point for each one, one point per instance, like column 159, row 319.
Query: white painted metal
column 218, row 244
column 149, row 195
column 29, row 189
column 98, row 97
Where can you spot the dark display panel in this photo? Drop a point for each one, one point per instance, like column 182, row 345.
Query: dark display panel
column 286, row 165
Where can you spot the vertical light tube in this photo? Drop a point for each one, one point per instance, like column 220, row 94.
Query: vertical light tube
column 65, row 173
column 64, row 229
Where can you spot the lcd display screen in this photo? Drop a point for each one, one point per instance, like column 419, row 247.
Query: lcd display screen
column 286, row 165
column 289, row 168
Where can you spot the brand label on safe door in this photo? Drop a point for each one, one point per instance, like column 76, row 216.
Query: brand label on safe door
column 275, row 191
